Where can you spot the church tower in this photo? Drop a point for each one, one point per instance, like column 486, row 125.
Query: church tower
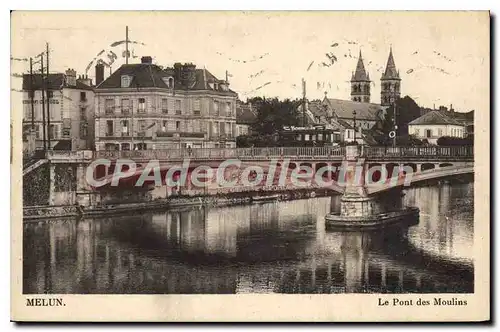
column 390, row 83
column 360, row 83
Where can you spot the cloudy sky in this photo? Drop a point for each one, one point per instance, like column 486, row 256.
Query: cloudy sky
column 443, row 57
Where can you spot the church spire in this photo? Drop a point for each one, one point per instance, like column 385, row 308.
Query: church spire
column 360, row 83
column 360, row 73
column 390, row 70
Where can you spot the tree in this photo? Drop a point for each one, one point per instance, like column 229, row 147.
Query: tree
column 455, row 141
column 273, row 114
column 407, row 111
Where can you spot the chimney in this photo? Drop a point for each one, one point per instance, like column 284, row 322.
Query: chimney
column 85, row 80
column 177, row 70
column 70, row 77
column 147, row 60
column 188, row 74
column 99, row 73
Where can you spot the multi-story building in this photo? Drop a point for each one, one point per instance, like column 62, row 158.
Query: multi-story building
column 69, row 120
column 435, row 124
column 144, row 106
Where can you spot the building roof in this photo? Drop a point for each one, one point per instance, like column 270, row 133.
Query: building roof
column 55, row 81
column 435, row 118
column 245, row 114
column 364, row 111
column 390, row 69
column 360, row 73
column 147, row 75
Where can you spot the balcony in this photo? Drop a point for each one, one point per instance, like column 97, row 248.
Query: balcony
column 110, row 134
column 126, row 134
column 125, row 111
column 192, row 135
column 164, row 134
column 109, row 111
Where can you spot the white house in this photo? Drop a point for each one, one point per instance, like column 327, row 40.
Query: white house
column 434, row 125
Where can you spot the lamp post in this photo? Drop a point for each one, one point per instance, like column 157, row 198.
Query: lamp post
column 395, row 126
column 354, row 123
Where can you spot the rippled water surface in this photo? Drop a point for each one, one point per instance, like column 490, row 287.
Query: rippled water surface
column 268, row 248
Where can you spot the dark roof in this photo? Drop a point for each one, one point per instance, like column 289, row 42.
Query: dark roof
column 55, row 81
column 364, row 111
column 435, row 118
column 245, row 114
column 390, row 70
column 360, row 73
column 147, row 75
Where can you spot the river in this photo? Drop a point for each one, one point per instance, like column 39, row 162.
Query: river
column 279, row 247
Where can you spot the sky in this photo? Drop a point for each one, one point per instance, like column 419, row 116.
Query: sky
column 442, row 57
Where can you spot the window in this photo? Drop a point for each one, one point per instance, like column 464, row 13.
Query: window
column 142, row 125
column 126, row 146
column 196, row 107
column 109, row 106
column 228, row 109
column 142, row 105
column 197, row 126
column 177, row 125
column 164, row 106
column 178, row 107
column 125, row 131
column 109, row 128
column 31, row 94
column 50, row 94
column 428, row 133
column 83, row 96
column 440, row 132
column 53, row 131
column 125, row 106
column 222, row 128
column 83, row 113
column 169, row 82
column 417, row 132
column 125, row 81
column 164, row 126
column 216, row 108
column 37, row 132
column 83, row 130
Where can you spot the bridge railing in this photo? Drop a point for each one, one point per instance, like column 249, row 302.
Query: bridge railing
column 224, row 153
column 435, row 152
column 418, row 152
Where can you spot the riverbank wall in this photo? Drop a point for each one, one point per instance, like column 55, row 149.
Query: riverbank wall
column 43, row 212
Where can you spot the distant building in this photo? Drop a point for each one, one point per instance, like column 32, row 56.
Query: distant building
column 338, row 115
column 435, row 124
column 143, row 106
column 246, row 116
column 71, row 111
column 366, row 115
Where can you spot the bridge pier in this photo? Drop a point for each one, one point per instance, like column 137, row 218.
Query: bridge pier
column 360, row 210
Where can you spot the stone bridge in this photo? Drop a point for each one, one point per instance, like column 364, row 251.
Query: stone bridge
column 425, row 163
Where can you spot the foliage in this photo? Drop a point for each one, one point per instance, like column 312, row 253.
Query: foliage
column 246, row 141
column 407, row 111
column 273, row 114
column 455, row 141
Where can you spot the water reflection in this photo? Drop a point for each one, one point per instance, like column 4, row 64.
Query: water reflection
column 276, row 247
